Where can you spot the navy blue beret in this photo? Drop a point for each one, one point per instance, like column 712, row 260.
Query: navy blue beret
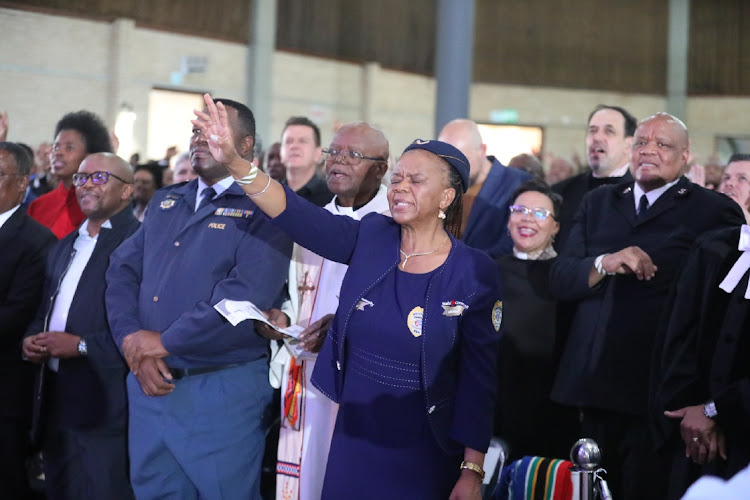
column 453, row 156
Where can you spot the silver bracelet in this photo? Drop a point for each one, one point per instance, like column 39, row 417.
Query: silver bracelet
column 261, row 191
column 249, row 178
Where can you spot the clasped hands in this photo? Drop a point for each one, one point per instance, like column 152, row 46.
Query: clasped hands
column 630, row 260
column 40, row 347
column 144, row 354
column 703, row 439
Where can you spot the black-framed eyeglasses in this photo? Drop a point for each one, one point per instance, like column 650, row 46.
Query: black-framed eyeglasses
column 352, row 157
column 97, row 178
column 539, row 212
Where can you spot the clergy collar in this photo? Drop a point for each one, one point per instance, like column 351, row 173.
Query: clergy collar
column 545, row 254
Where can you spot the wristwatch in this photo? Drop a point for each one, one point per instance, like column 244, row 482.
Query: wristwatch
column 82, row 348
column 709, row 409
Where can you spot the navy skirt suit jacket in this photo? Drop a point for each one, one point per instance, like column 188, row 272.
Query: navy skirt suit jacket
column 459, row 352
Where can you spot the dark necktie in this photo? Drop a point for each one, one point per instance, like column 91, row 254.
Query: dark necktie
column 642, row 208
column 208, row 195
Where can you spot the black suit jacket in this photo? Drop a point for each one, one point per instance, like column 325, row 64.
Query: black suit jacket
column 87, row 391
column 573, row 190
column 606, row 360
column 24, row 245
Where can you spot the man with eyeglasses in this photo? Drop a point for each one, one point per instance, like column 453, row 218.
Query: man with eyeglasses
column 355, row 164
column 77, row 135
column 82, row 423
column 25, row 244
column 300, row 154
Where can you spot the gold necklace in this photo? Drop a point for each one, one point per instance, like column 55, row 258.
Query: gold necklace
column 420, row 254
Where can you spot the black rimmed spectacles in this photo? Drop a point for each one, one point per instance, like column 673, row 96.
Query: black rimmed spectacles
column 352, row 157
column 539, row 212
column 97, row 178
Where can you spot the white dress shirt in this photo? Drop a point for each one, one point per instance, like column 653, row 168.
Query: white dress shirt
column 7, row 215
column 219, row 187
column 652, row 195
column 83, row 247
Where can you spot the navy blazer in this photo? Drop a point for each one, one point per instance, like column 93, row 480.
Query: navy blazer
column 459, row 353
column 181, row 262
column 25, row 244
column 606, row 359
column 89, row 391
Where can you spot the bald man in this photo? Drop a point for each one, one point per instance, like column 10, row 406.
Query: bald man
column 84, row 417
column 625, row 250
column 486, row 202
column 355, row 164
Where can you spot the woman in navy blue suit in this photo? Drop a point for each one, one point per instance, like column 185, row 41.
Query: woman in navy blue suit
column 411, row 354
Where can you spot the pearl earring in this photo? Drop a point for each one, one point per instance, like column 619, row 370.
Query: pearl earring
column 441, row 214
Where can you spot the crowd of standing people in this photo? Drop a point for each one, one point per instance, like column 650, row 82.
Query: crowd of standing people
column 440, row 299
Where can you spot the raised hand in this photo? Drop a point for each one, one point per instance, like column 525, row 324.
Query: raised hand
column 214, row 125
column 3, row 125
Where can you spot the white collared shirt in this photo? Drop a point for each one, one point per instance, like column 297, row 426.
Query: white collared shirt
column 619, row 172
column 83, row 248
column 652, row 195
column 7, row 215
column 219, row 187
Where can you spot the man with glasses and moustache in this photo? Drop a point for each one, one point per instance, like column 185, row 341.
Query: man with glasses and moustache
column 355, row 164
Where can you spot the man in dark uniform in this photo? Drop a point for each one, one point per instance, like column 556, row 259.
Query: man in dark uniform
column 609, row 137
column 199, row 385
column 85, row 412
column 624, row 252
column 702, row 396
column 24, row 244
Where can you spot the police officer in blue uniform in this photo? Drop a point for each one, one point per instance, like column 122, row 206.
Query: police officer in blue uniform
column 199, row 386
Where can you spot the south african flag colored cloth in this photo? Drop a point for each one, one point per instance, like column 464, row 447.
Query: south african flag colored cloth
column 536, row 478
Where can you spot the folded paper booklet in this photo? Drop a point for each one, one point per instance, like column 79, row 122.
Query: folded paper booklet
column 237, row 311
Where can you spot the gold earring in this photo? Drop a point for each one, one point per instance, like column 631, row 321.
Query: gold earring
column 441, row 214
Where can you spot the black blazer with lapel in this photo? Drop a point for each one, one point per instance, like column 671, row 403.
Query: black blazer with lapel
column 606, row 361
column 24, row 244
column 87, row 392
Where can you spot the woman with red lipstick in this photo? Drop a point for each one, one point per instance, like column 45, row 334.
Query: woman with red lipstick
column 77, row 135
column 524, row 415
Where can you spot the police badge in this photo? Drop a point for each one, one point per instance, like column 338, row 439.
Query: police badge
column 497, row 315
